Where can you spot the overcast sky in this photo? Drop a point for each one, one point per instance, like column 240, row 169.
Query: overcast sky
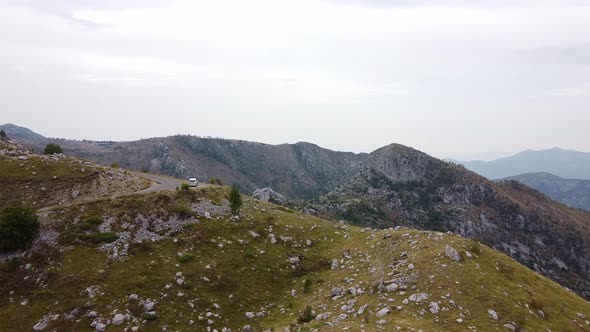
column 461, row 79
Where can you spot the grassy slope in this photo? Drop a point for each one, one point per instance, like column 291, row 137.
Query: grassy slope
column 50, row 182
column 241, row 278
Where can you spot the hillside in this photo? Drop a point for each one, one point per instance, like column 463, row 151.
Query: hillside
column 403, row 186
column 179, row 261
column 564, row 163
column 299, row 171
column 571, row 192
column 49, row 180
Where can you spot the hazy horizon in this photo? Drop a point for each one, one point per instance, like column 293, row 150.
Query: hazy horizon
column 455, row 79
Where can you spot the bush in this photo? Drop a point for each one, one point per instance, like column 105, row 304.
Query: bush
column 182, row 210
column 184, row 186
column 215, row 181
column 185, row 257
column 52, row 149
column 18, row 228
column 307, row 286
column 306, row 316
column 235, row 200
column 115, row 165
column 3, row 134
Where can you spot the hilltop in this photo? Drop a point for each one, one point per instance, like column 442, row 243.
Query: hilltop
column 571, row 192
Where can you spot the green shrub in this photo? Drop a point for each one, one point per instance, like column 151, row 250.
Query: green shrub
column 115, row 165
column 182, row 210
column 184, row 186
column 52, row 149
column 307, row 286
column 215, row 181
column 185, row 257
column 235, row 200
column 18, row 228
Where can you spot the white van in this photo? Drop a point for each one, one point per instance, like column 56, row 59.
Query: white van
column 192, row 182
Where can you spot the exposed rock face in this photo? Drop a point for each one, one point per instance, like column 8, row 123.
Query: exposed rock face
column 403, row 186
column 269, row 195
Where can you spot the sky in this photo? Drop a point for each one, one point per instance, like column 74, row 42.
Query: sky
column 460, row 79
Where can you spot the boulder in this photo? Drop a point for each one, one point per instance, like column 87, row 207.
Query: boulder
column 269, row 195
column 452, row 253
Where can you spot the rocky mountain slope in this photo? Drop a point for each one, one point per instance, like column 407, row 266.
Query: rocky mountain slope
column 564, row 163
column 299, row 171
column 403, row 186
column 571, row 192
column 178, row 261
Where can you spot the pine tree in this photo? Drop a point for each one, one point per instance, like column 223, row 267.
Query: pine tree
column 235, row 200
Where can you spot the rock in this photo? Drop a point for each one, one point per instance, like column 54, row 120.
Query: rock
column 75, row 193
column 118, row 319
column 510, row 327
column 41, row 324
column 334, row 264
column 133, row 297
column 392, row 287
column 411, row 266
column 459, row 320
column 294, row 260
column 247, row 328
column 383, row 312
column 336, row 291
column 92, row 314
column 418, row 297
column 434, row 308
column 452, row 253
column 269, row 195
column 323, row 316
column 493, row 314
column 250, row 315
column 100, row 327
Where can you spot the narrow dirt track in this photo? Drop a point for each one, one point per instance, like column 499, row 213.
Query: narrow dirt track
column 160, row 182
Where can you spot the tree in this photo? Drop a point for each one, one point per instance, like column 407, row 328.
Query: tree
column 3, row 134
column 235, row 200
column 18, row 227
column 53, row 148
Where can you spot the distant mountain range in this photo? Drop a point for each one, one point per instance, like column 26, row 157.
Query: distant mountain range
column 564, row 163
column 394, row 185
column 572, row 192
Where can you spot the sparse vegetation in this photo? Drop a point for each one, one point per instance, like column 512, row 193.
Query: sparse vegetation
column 184, row 186
column 3, row 134
column 52, row 148
column 19, row 226
column 306, row 316
column 215, row 181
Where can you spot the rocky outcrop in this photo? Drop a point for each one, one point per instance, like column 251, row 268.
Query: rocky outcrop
column 269, row 195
